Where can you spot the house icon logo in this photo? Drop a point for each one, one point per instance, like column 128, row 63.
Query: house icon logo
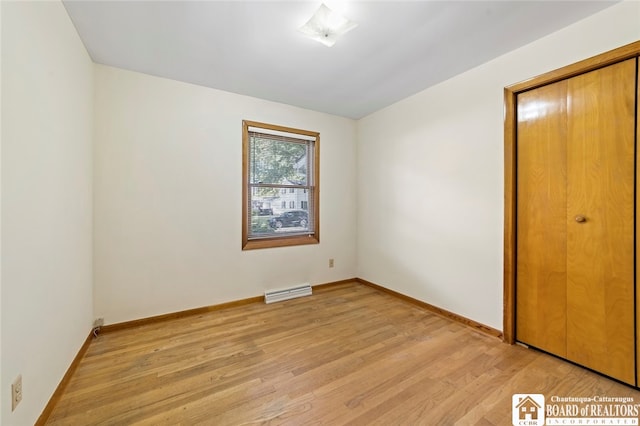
column 527, row 409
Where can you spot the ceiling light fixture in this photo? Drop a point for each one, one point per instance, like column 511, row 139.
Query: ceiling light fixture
column 326, row 26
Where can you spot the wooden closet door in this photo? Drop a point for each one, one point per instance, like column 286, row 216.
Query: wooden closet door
column 541, row 275
column 576, row 219
column 600, row 220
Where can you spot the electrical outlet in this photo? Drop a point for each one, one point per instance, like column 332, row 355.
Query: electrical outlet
column 99, row 322
column 330, row 263
column 16, row 392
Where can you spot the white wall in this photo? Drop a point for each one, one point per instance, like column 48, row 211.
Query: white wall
column 430, row 173
column 47, row 100
column 168, row 181
column 428, row 191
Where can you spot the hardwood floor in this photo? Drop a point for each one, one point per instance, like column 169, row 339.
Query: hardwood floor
column 349, row 354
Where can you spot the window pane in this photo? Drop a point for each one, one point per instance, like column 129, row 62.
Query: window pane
column 277, row 162
column 279, row 166
column 274, row 213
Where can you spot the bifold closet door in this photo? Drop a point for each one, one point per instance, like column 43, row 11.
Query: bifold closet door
column 541, row 268
column 575, row 219
column 600, row 249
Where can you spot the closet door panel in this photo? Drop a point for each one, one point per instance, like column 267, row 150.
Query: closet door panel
column 600, row 220
column 637, row 227
column 541, row 218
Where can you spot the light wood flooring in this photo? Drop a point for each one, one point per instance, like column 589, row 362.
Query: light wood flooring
column 349, row 354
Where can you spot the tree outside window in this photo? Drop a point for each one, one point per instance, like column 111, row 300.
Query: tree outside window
column 280, row 169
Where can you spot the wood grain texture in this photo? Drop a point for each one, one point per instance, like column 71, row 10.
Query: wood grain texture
column 347, row 355
column 622, row 53
column 57, row 394
column 283, row 240
column 175, row 315
column 600, row 251
column 625, row 52
column 330, row 285
column 202, row 310
column 637, row 246
column 436, row 310
column 509, row 263
column 541, row 267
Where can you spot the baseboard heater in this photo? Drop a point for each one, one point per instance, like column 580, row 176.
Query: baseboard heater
column 271, row 296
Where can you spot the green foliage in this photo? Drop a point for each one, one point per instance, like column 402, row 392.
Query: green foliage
column 265, row 192
column 275, row 162
column 260, row 225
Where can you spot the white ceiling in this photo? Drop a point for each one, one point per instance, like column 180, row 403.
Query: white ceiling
column 254, row 48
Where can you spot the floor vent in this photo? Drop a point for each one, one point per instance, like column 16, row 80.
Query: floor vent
column 287, row 293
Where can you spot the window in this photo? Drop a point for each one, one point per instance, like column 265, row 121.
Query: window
column 274, row 159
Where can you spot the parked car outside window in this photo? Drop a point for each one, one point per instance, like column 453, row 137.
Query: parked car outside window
column 289, row 219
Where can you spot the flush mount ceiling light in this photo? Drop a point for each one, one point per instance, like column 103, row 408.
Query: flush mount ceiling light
column 326, row 26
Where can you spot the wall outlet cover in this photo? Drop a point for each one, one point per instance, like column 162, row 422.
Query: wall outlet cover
column 16, row 392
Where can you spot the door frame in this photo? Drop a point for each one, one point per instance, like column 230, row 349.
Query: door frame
column 510, row 162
